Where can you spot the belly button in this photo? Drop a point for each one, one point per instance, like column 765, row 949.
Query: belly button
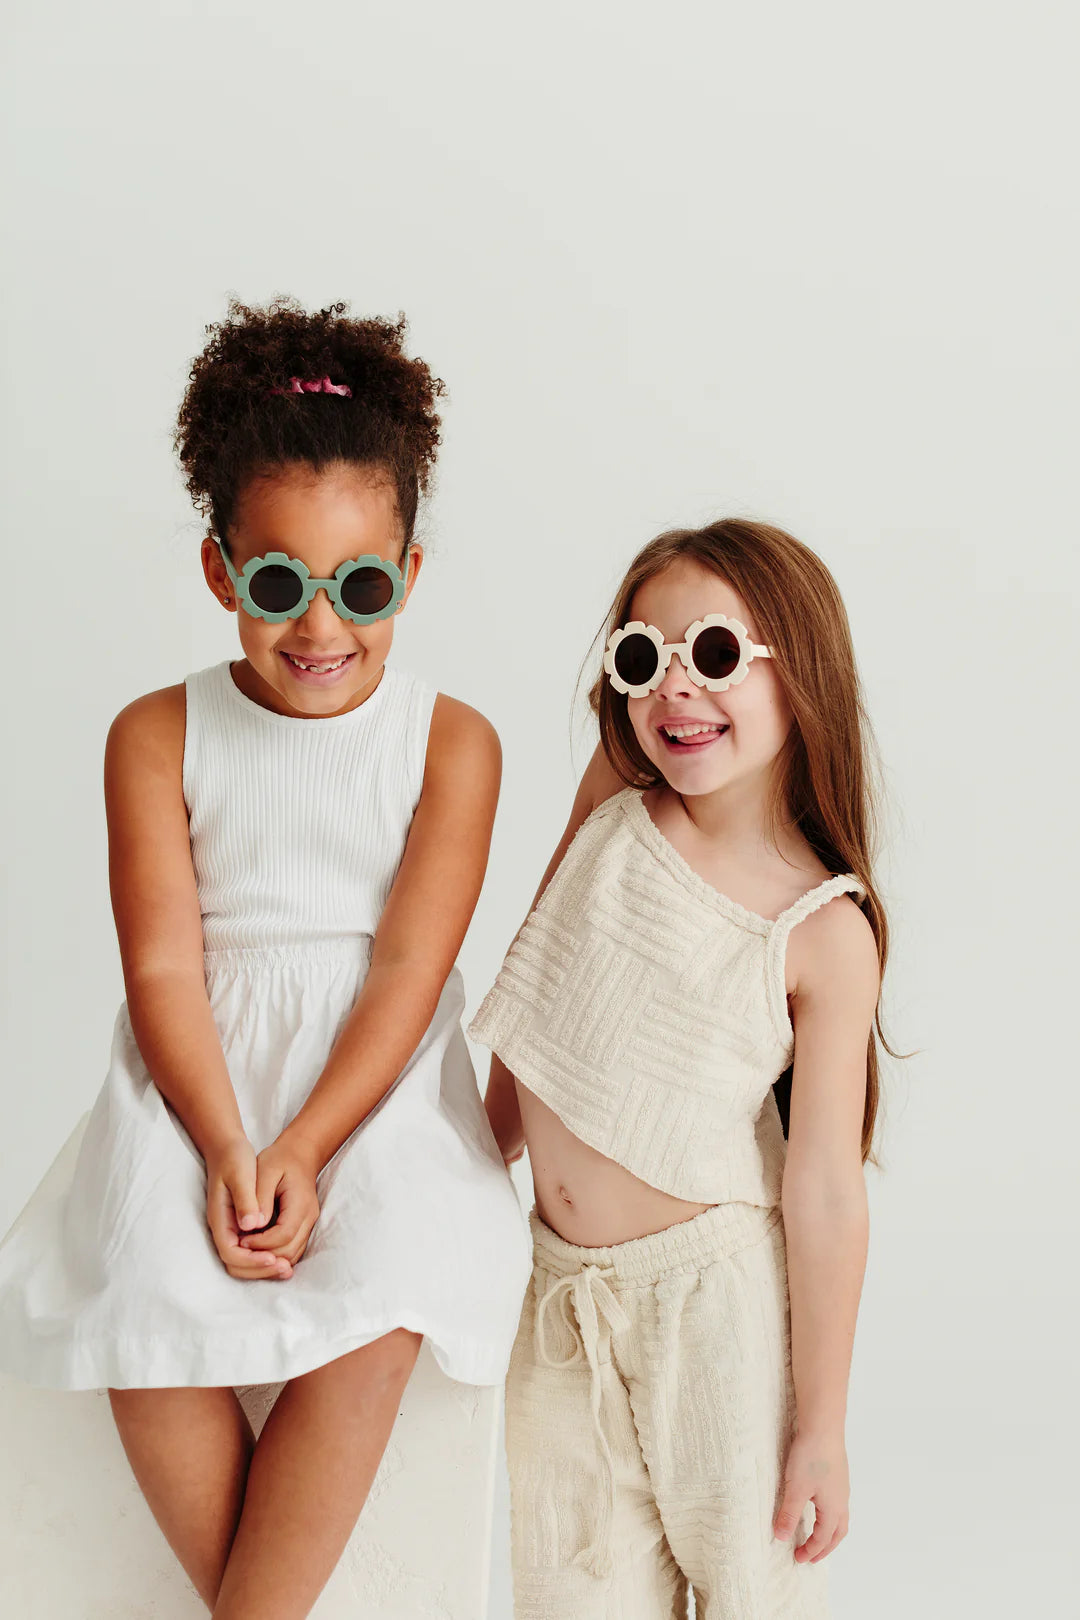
column 565, row 1196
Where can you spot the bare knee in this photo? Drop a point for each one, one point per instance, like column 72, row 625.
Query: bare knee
column 122, row 1399
column 383, row 1365
column 130, row 1407
column 388, row 1360
column 400, row 1346
column 182, row 1404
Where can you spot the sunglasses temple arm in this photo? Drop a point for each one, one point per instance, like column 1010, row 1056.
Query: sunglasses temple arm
column 229, row 569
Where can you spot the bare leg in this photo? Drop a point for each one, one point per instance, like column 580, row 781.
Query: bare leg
column 310, row 1475
column 189, row 1450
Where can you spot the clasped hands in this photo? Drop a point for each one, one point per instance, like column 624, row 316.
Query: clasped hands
column 261, row 1208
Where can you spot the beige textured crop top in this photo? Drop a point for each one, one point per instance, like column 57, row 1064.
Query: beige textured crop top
column 650, row 1011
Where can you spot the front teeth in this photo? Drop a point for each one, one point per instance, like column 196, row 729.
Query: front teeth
column 688, row 731
column 317, row 669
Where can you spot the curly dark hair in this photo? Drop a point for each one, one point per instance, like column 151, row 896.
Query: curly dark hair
column 233, row 426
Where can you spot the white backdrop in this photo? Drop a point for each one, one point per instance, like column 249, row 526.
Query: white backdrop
column 817, row 264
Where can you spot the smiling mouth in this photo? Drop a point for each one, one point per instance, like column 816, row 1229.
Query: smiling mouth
column 312, row 666
column 691, row 735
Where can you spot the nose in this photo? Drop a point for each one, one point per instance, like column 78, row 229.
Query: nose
column 319, row 622
column 676, row 682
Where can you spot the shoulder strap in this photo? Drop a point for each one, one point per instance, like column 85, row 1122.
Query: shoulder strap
column 201, row 689
column 614, row 803
column 419, row 697
column 776, row 949
column 808, row 903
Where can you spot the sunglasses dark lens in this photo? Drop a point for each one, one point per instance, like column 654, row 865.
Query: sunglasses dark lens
column 275, row 589
column 636, row 659
column 715, row 652
column 366, row 590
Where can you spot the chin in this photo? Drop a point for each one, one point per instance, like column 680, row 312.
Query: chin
column 695, row 778
column 694, row 784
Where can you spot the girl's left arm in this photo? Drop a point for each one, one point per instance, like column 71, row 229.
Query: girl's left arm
column 415, row 947
column 833, row 973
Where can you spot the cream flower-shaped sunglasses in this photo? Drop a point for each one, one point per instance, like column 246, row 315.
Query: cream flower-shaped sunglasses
column 716, row 653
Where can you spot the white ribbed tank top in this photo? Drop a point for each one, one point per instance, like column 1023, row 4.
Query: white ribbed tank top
column 298, row 826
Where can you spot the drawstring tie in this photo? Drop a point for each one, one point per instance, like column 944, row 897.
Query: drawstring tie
column 592, row 1299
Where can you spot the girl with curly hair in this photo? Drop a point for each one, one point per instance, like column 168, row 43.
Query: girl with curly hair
column 288, row 1175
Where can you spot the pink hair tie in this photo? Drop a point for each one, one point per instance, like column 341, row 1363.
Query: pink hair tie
column 319, row 385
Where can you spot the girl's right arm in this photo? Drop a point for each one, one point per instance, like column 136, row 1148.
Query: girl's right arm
column 159, row 928
column 598, row 783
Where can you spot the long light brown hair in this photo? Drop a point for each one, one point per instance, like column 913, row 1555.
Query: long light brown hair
column 824, row 785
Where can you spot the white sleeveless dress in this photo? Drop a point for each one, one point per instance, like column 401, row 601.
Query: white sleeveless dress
column 109, row 1277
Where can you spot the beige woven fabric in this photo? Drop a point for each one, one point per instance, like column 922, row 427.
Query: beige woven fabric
column 649, row 1408
column 650, row 1011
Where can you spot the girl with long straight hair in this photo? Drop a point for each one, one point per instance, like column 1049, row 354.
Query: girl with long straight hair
column 701, row 969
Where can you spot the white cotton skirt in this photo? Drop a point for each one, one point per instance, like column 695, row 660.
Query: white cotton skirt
column 110, row 1278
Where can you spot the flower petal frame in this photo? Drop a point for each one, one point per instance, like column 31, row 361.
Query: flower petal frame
column 748, row 651
column 663, row 657
column 309, row 585
column 665, row 650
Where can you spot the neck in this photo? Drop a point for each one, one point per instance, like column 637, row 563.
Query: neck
column 739, row 817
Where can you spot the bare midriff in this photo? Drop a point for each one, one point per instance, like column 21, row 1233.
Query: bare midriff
column 585, row 1196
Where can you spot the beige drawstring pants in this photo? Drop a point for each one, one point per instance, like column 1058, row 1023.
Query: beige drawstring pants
column 649, row 1407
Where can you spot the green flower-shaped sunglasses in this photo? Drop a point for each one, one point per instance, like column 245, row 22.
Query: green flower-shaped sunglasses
column 276, row 587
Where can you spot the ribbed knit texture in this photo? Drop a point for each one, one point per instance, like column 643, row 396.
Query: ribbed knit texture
column 253, row 778
column 650, row 1011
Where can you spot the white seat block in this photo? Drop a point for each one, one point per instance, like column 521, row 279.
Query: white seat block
column 77, row 1541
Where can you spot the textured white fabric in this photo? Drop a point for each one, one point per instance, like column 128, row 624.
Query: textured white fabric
column 110, row 1276
column 649, row 1011
column 649, row 1409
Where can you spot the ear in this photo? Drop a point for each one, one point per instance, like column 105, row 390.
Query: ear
column 216, row 574
column 416, row 560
